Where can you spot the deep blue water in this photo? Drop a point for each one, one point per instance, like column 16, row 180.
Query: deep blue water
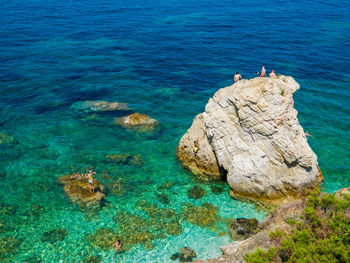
column 165, row 59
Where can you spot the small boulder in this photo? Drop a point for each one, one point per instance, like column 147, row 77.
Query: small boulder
column 242, row 228
column 174, row 256
column 138, row 121
column 54, row 235
column 77, row 187
column 186, row 254
column 196, row 192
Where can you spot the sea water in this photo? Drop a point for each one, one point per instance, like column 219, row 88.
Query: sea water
column 165, row 59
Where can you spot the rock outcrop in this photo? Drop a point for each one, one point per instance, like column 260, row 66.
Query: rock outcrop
column 77, row 188
column 138, row 121
column 250, row 134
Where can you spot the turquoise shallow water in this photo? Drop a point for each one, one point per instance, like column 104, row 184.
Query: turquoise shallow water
column 165, row 59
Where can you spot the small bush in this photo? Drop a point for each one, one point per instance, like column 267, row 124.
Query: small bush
column 261, row 256
column 276, row 234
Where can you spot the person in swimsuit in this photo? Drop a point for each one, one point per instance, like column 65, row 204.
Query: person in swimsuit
column 307, row 135
column 237, row 77
column 91, row 180
column 272, row 74
column 117, row 246
column 196, row 147
column 263, row 72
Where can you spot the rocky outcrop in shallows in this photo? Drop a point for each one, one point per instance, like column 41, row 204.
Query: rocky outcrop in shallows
column 141, row 122
column 77, row 188
column 250, row 134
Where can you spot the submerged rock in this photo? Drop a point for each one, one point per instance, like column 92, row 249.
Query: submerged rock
column 8, row 248
column 92, row 259
column 138, row 121
column 163, row 198
column 250, row 134
column 77, row 188
column 5, row 139
column 186, row 254
column 121, row 158
column 118, row 187
column 125, row 159
column 100, row 106
column 166, row 185
column 33, row 259
column 54, row 235
column 204, row 215
column 174, row 256
column 242, row 228
column 136, row 160
column 103, row 238
column 154, row 223
column 217, row 189
column 196, row 192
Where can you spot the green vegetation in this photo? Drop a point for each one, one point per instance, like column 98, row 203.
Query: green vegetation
column 321, row 234
column 260, row 256
column 282, row 92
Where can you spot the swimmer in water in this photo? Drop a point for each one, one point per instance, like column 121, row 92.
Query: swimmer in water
column 307, row 135
column 117, row 246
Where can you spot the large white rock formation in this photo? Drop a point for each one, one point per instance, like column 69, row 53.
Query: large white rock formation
column 250, row 133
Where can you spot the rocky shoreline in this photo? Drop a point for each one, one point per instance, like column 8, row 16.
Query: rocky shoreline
column 279, row 221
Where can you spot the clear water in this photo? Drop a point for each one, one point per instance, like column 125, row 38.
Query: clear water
column 165, row 59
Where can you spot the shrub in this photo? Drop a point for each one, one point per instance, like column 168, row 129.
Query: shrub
column 261, row 256
column 321, row 235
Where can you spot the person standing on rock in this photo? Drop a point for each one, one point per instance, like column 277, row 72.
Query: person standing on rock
column 272, row 74
column 263, row 72
column 237, row 77
column 91, row 181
